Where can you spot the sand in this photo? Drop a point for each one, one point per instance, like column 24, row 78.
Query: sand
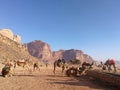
column 46, row 80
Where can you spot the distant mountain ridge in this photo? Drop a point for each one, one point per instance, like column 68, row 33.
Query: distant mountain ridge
column 43, row 51
column 12, row 48
column 39, row 49
column 72, row 54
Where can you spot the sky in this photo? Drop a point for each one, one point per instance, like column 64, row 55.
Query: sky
column 92, row 26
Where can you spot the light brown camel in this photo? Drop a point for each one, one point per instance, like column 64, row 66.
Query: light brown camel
column 22, row 63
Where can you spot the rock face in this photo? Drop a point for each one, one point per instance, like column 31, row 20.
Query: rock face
column 40, row 50
column 43, row 51
column 8, row 33
column 72, row 54
column 11, row 47
column 13, row 51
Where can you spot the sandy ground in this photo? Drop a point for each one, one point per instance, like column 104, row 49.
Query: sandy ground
column 46, row 80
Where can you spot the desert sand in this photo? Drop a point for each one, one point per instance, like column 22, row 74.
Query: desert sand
column 46, row 80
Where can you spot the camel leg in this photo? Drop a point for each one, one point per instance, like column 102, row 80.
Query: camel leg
column 114, row 67
column 109, row 68
column 38, row 68
column 26, row 68
column 63, row 68
column 33, row 68
column 54, row 68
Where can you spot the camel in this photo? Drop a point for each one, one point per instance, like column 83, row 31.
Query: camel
column 36, row 66
column 6, row 70
column 87, row 65
column 74, row 71
column 60, row 63
column 22, row 63
column 109, row 63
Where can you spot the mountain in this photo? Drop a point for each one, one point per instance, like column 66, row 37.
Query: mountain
column 43, row 51
column 11, row 50
column 40, row 50
column 71, row 55
column 8, row 33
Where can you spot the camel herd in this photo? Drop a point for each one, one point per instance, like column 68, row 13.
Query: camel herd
column 70, row 70
column 85, row 66
column 6, row 70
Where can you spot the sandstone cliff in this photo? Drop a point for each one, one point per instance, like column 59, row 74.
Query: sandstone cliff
column 11, row 48
column 72, row 54
column 40, row 50
column 43, row 51
column 8, row 33
column 13, row 51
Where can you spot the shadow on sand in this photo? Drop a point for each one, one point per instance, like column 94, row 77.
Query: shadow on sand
column 81, row 81
column 26, row 75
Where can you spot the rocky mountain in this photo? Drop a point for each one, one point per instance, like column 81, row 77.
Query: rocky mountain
column 71, row 55
column 43, row 51
column 40, row 50
column 8, row 33
column 13, row 51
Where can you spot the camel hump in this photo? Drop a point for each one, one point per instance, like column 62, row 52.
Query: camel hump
column 21, row 60
column 112, row 61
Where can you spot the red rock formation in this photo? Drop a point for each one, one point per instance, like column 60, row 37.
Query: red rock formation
column 40, row 50
column 72, row 54
column 43, row 51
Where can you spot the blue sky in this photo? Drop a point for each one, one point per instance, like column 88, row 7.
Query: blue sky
column 92, row 26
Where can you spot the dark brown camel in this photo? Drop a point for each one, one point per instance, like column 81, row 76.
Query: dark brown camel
column 36, row 66
column 6, row 70
column 87, row 65
column 60, row 63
